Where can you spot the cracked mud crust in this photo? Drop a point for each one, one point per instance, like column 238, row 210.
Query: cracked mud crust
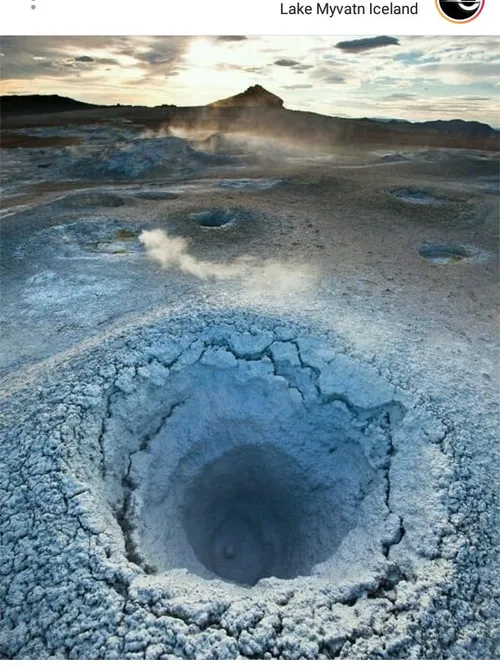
column 100, row 557
column 164, row 433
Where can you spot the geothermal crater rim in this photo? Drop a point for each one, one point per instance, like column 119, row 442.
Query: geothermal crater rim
column 216, row 218
column 166, row 443
column 156, row 195
column 91, row 235
column 451, row 253
column 418, row 197
column 242, row 456
column 249, row 183
column 93, row 198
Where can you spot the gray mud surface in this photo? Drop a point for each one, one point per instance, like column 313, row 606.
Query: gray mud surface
column 276, row 438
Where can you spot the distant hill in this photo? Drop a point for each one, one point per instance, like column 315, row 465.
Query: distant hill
column 470, row 127
column 16, row 104
column 253, row 96
column 258, row 112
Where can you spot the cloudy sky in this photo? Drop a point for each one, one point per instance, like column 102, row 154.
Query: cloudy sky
column 416, row 78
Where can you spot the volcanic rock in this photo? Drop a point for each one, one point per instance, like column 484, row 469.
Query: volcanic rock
column 253, row 96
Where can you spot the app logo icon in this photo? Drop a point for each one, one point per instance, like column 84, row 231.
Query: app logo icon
column 460, row 11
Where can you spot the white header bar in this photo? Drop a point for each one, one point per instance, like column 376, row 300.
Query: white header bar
column 243, row 17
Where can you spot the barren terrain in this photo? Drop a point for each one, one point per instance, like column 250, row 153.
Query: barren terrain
column 249, row 387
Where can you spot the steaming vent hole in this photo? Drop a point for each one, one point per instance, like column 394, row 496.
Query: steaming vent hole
column 243, row 510
column 446, row 254
column 215, row 218
column 246, row 516
column 417, row 197
column 225, row 471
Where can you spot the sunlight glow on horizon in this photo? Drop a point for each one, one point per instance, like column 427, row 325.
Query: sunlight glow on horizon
column 415, row 78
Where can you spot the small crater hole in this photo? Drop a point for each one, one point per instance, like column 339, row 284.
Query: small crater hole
column 445, row 254
column 215, row 218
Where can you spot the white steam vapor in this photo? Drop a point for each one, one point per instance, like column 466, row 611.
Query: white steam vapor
column 171, row 252
column 260, row 276
column 160, row 133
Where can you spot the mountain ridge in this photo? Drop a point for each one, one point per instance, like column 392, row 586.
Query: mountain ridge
column 253, row 96
column 255, row 111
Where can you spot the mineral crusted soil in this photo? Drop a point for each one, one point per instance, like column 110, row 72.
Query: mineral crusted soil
column 280, row 444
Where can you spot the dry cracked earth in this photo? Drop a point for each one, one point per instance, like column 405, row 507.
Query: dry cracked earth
column 250, row 403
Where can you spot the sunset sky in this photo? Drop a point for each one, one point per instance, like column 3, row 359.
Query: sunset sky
column 416, row 78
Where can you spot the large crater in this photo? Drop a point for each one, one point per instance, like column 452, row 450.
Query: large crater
column 237, row 459
column 217, row 487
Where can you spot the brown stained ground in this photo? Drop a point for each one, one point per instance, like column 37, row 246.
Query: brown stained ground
column 11, row 140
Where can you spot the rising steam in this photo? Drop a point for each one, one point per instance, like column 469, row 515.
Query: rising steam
column 261, row 276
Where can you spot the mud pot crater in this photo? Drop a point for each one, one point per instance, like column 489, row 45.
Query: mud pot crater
column 249, row 183
column 241, row 456
column 418, row 197
column 218, row 470
column 86, row 236
column 216, row 217
column 235, row 484
column 93, row 199
column 452, row 253
column 156, row 195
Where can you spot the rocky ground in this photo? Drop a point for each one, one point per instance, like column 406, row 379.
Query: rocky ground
column 313, row 333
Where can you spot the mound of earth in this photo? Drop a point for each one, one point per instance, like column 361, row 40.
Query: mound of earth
column 253, row 96
column 14, row 104
column 170, row 156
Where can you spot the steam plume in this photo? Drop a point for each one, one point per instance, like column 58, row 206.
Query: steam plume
column 259, row 276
